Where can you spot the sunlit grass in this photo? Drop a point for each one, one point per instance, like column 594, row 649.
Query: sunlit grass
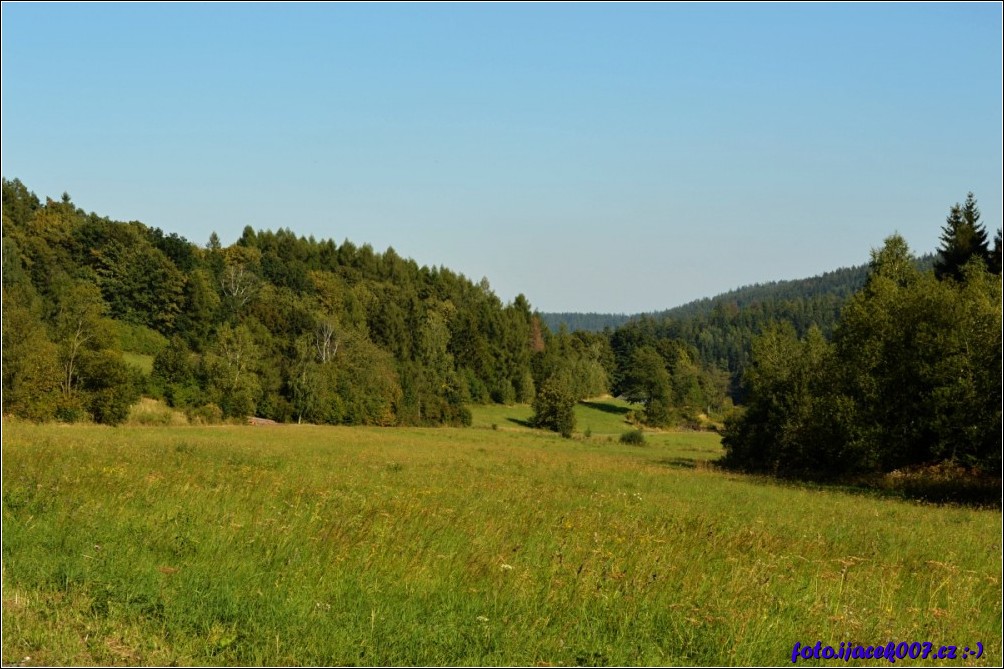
column 604, row 416
column 142, row 362
column 297, row 545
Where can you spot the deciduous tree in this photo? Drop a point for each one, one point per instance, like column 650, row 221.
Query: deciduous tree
column 554, row 407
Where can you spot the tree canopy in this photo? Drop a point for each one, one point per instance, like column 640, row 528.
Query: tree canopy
column 911, row 377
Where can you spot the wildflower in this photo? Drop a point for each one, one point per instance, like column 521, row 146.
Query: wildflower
column 507, row 567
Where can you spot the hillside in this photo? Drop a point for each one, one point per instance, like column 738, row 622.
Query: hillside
column 720, row 329
column 840, row 283
column 97, row 312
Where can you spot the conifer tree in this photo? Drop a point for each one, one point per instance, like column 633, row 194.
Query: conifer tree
column 962, row 238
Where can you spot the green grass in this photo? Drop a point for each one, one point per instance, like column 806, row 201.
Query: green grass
column 300, row 545
column 606, row 420
column 140, row 361
column 600, row 416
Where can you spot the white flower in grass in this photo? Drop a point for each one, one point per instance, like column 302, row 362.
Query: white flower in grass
column 507, row 567
column 482, row 619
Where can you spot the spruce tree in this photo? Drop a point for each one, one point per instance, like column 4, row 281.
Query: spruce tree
column 962, row 238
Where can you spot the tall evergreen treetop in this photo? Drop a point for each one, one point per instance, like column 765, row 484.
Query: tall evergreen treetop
column 962, row 238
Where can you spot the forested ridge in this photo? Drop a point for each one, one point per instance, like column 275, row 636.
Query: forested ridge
column 861, row 369
column 721, row 329
column 276, row 325
column 910, row 377
column 830, row 286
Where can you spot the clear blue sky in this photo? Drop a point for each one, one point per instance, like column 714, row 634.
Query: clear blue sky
column 612, row 158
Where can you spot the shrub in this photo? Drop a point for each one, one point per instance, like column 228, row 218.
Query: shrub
column 633, row 437
column 207, row 414
column 554, row 408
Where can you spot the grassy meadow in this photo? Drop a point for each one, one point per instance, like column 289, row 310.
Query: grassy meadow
column 304, row 545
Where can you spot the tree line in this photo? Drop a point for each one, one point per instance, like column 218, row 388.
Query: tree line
column 302, row 330
column 910, row 377
column 275, row 325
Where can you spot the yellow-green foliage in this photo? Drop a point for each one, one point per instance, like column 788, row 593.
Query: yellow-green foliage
column 297, row 545
column 142, row 362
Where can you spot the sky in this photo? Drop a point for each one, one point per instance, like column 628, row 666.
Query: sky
column 612, row 158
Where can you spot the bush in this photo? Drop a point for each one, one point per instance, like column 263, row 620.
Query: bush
column 462, row 417
column 207, row 414
column 554, row 408
column 109, row 389
column 70, row 410
column 634, row 438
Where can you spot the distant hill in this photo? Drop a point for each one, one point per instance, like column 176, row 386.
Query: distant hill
column 837, row 284
column 840, row 283
column 591, row 322
column 720, row 330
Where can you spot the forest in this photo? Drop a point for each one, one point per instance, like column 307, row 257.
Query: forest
column 862, row 369
column 911, row 375
column 274, row 325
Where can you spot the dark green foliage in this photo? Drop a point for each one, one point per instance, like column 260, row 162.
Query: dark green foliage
column 406, row 344
column 109, row 388
column 654, row 367
column 962, row 238
column 31, row 370
column 587, row 322
column 646, row 381
column 580, row 360
column 19, row 205
column 911, row 378
column 230, row 372
column 633, row 438
column 718, row 331
column 923, row 358
column 553, row 407
column 789, row 426
column 175, row 375
column 201, row 309
column 996, row 258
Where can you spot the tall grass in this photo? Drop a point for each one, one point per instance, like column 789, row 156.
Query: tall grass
column 307, row 545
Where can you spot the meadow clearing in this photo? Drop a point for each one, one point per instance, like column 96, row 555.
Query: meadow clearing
column 489, row 545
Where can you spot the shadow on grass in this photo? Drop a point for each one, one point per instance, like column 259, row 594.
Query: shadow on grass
column 687, row 463
column 520, row 421
column 606, row 408
column 974, row 492
column 679, row 463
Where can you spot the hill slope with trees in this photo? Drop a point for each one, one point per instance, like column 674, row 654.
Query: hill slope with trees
column 275, row 325
column 835, row 376
column 910, row 378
